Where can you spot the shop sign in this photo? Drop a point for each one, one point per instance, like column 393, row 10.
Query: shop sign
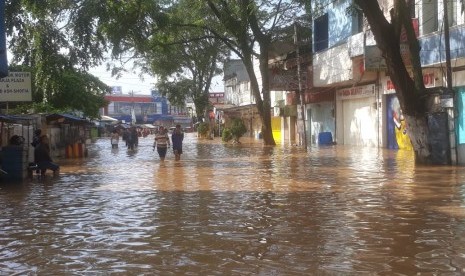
column 16, row 87
column 356, row 92
column 428, row 80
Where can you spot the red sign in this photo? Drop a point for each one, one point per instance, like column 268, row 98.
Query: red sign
column 415, row 25
column 428, row 80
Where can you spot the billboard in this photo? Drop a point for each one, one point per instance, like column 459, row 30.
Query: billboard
column 116, row 90
column 16, row 87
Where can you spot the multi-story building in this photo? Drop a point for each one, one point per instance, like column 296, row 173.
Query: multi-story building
column 145, row 109
column 240, row 102
column 346, row 60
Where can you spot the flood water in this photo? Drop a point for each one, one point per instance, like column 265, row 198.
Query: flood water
column 236, row 210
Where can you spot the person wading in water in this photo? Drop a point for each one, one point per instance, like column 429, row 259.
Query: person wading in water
column 176, row 139
column 162, row 142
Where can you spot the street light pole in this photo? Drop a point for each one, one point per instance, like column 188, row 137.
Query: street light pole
column 301, row 96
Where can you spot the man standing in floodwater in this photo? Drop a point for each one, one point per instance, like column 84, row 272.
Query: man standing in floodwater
column 176, row 139
column 42, row 157
column 162, row 142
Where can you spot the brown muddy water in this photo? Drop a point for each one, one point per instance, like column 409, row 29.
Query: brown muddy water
column 236, row 210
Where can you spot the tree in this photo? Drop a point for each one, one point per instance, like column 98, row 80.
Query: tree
column 410, row 90
column 149, row 32
column 184, row 58
column 80, row 92
column 246, row 26
column 41, row 40
column 237, row 129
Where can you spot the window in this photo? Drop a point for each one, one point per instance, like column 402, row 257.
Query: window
column 357, row 22
column 429, row 20
column 321, row 33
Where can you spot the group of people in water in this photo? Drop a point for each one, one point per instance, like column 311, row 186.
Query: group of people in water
column 161, row 142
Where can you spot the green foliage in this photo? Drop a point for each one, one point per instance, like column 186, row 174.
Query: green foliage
column 203, row 129
column 176, row 92
column 237, row 128
column 37, row 108
column 226, row 136
column 184, row 55
column 74, row 91
column 80, row 91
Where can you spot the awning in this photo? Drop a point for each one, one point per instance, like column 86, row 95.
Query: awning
column 66, row 119
column 104, row 118
column 15, row 119
column 148, row 126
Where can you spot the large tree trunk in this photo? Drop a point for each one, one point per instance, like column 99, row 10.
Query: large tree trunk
column 410, row 92
column 417, row 130
column 245, row 47
column 267, row 132
column 263, row 105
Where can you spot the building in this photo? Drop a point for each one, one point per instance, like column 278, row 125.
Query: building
column 239, row 101
column 145, row 109
column 346, row 61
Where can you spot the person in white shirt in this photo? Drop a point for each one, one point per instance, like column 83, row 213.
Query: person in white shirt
column 114, row 139
column 162, row 142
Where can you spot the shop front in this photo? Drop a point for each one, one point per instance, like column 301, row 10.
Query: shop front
column 395, row 125
column 357, row 116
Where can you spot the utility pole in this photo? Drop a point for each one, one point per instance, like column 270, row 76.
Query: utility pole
column 447, row 46
column 299, row 80
column 450, row 111
column 3, row 50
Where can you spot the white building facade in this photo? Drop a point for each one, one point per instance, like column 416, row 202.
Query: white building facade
column 346, row 59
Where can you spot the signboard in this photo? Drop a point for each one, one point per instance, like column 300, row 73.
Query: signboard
column 16, row 87
column 216, row 98
column 116, row 90
column 356, row 92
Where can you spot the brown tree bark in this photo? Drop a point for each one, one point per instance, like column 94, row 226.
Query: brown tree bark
column 410, row 91
column 244, row 43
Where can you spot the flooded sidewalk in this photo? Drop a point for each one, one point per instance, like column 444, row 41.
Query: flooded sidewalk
column 236, row 210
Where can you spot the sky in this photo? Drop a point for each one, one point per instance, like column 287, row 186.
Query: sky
column 130, row 83
column 133, row 83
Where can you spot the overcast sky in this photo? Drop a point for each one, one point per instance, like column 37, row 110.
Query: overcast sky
column 129, row 82
column 133, row 83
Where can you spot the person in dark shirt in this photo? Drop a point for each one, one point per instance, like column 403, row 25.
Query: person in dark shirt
column 133, row 138
column 42, row 157
column 176, row 138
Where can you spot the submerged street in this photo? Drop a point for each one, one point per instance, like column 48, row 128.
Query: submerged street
column 236, row 210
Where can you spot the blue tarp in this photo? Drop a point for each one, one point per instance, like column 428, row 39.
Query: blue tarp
column 14, row 119
column 67, row 119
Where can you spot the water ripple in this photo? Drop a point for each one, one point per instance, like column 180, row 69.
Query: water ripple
column 238, row 210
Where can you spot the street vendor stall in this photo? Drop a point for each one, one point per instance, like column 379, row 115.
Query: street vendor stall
column 68, row 135
column 15, row 154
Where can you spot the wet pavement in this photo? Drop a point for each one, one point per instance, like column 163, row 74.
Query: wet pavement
column 236, row 210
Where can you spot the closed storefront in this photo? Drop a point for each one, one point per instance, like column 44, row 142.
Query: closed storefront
column 357, row 116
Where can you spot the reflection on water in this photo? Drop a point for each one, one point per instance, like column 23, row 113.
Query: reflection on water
column 240, row 210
